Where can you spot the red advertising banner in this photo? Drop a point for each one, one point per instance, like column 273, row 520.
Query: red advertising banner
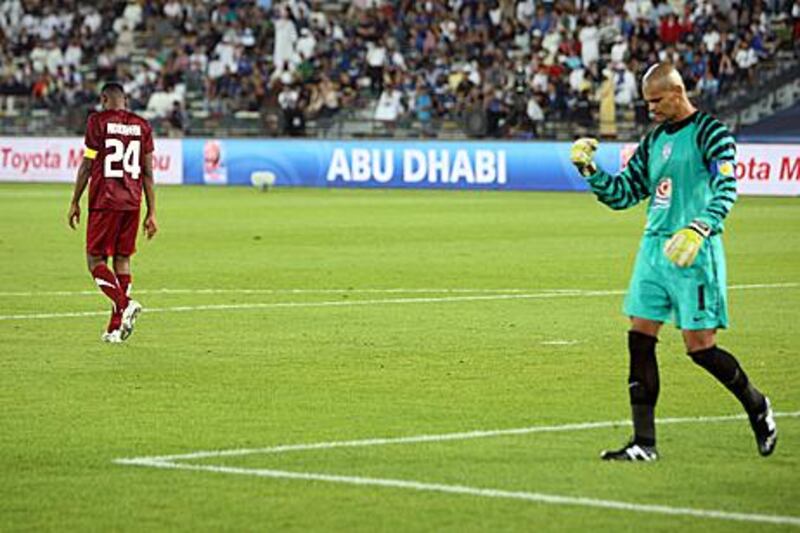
column 56, row 159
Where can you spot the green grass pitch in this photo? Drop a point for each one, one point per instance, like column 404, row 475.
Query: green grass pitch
column 284, row 318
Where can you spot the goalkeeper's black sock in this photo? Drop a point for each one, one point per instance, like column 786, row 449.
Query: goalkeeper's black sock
column 726, row 369
column 643, row 386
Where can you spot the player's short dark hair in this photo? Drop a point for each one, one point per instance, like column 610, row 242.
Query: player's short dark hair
column 112, row 87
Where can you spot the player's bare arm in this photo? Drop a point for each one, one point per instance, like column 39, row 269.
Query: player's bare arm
column 74, row 214
column 150, row 226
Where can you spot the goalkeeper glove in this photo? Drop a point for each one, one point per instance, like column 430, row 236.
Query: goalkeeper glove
column 582, row 156
column 683, row 246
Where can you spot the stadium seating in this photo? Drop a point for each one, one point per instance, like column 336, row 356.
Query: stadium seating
column 250, row 68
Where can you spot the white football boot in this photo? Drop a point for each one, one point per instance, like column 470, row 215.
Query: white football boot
column 112, row 337
column 129, row 316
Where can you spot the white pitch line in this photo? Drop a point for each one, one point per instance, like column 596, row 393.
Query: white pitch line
column 281, row 291
column 537, row 497
column 567, row 293
column 167, row 462
column 454, row 290
column 334, row 303
column 414, row 439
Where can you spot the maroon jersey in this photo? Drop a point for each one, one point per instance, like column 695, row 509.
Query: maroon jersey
column 116, row 141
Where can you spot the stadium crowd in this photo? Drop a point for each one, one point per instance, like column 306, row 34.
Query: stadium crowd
column 517, row 62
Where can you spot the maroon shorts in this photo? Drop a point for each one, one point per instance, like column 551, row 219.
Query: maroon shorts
column 111, row 232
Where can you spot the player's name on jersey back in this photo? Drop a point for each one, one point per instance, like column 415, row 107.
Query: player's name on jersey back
column 114, row 128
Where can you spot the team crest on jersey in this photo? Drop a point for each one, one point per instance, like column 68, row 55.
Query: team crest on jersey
column 663, row 196
column 666, row 151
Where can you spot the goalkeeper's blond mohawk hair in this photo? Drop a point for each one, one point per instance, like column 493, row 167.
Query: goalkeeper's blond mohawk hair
column 664, row 74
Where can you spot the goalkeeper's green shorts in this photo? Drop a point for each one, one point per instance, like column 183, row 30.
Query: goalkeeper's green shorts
column 694, row 297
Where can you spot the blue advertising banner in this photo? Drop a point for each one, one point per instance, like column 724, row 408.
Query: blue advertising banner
column 401, row 164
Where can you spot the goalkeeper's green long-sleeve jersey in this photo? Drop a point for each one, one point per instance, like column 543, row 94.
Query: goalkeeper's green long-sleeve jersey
column 685, row 168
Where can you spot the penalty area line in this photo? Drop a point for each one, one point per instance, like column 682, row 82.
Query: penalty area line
column 536, row 497
column 416, row 439
column 169, row 462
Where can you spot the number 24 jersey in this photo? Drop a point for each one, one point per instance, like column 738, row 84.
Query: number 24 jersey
column 116, row 142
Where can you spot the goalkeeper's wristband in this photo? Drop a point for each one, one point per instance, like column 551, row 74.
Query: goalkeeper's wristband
column 703, row 229
column 587, row 170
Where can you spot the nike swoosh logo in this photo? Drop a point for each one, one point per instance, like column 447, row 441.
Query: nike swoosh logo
column 104, row 283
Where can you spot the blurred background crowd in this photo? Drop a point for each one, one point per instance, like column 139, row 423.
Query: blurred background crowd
column 496, row 68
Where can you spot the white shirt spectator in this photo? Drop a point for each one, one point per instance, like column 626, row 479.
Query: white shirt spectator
column 619, row 50
column 173, row 10
column 473, row 74
column 390, row 105
column 522, row 41
column 376, row 55
column 534, row 110
column 745, row 58
column 133, row 13
column 55, row 58
column 30, row 23
column 540, row 81
column 247, row 39
column 306, row 44
column 105, row 60
column 48, row 27
column 161, row 102
column 525, row 10
column 93, row 21
column 496, row 15
column 576, row 78
column 625, row 90
column 318, row 20
column 216, row 68
column 449, row 29
column 285, row 37
column 288, row 97
column 590, row 39
column 65, row 23
column 225, row 51
column 631, row 7
column 337, row 33
column 124, row 45
column 10, row 15
column 398, row 60
column 711, row 38
column 551, row 42
column 38, row 57
column 198, row 61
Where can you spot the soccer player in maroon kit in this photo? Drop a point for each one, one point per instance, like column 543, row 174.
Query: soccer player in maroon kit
column 117, row 165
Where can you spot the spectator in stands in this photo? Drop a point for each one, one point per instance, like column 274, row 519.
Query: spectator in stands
column 535, row 114
column 390, row 106
column 608, row 111
column 708, row 90
column 746, row 59
column 460, row 48
column 376, row 60
column 177, row 120
column 290, row 102
column 423, row 106
column 625, row 86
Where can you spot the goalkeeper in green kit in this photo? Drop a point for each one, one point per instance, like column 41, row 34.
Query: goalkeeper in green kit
column 685, row 166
